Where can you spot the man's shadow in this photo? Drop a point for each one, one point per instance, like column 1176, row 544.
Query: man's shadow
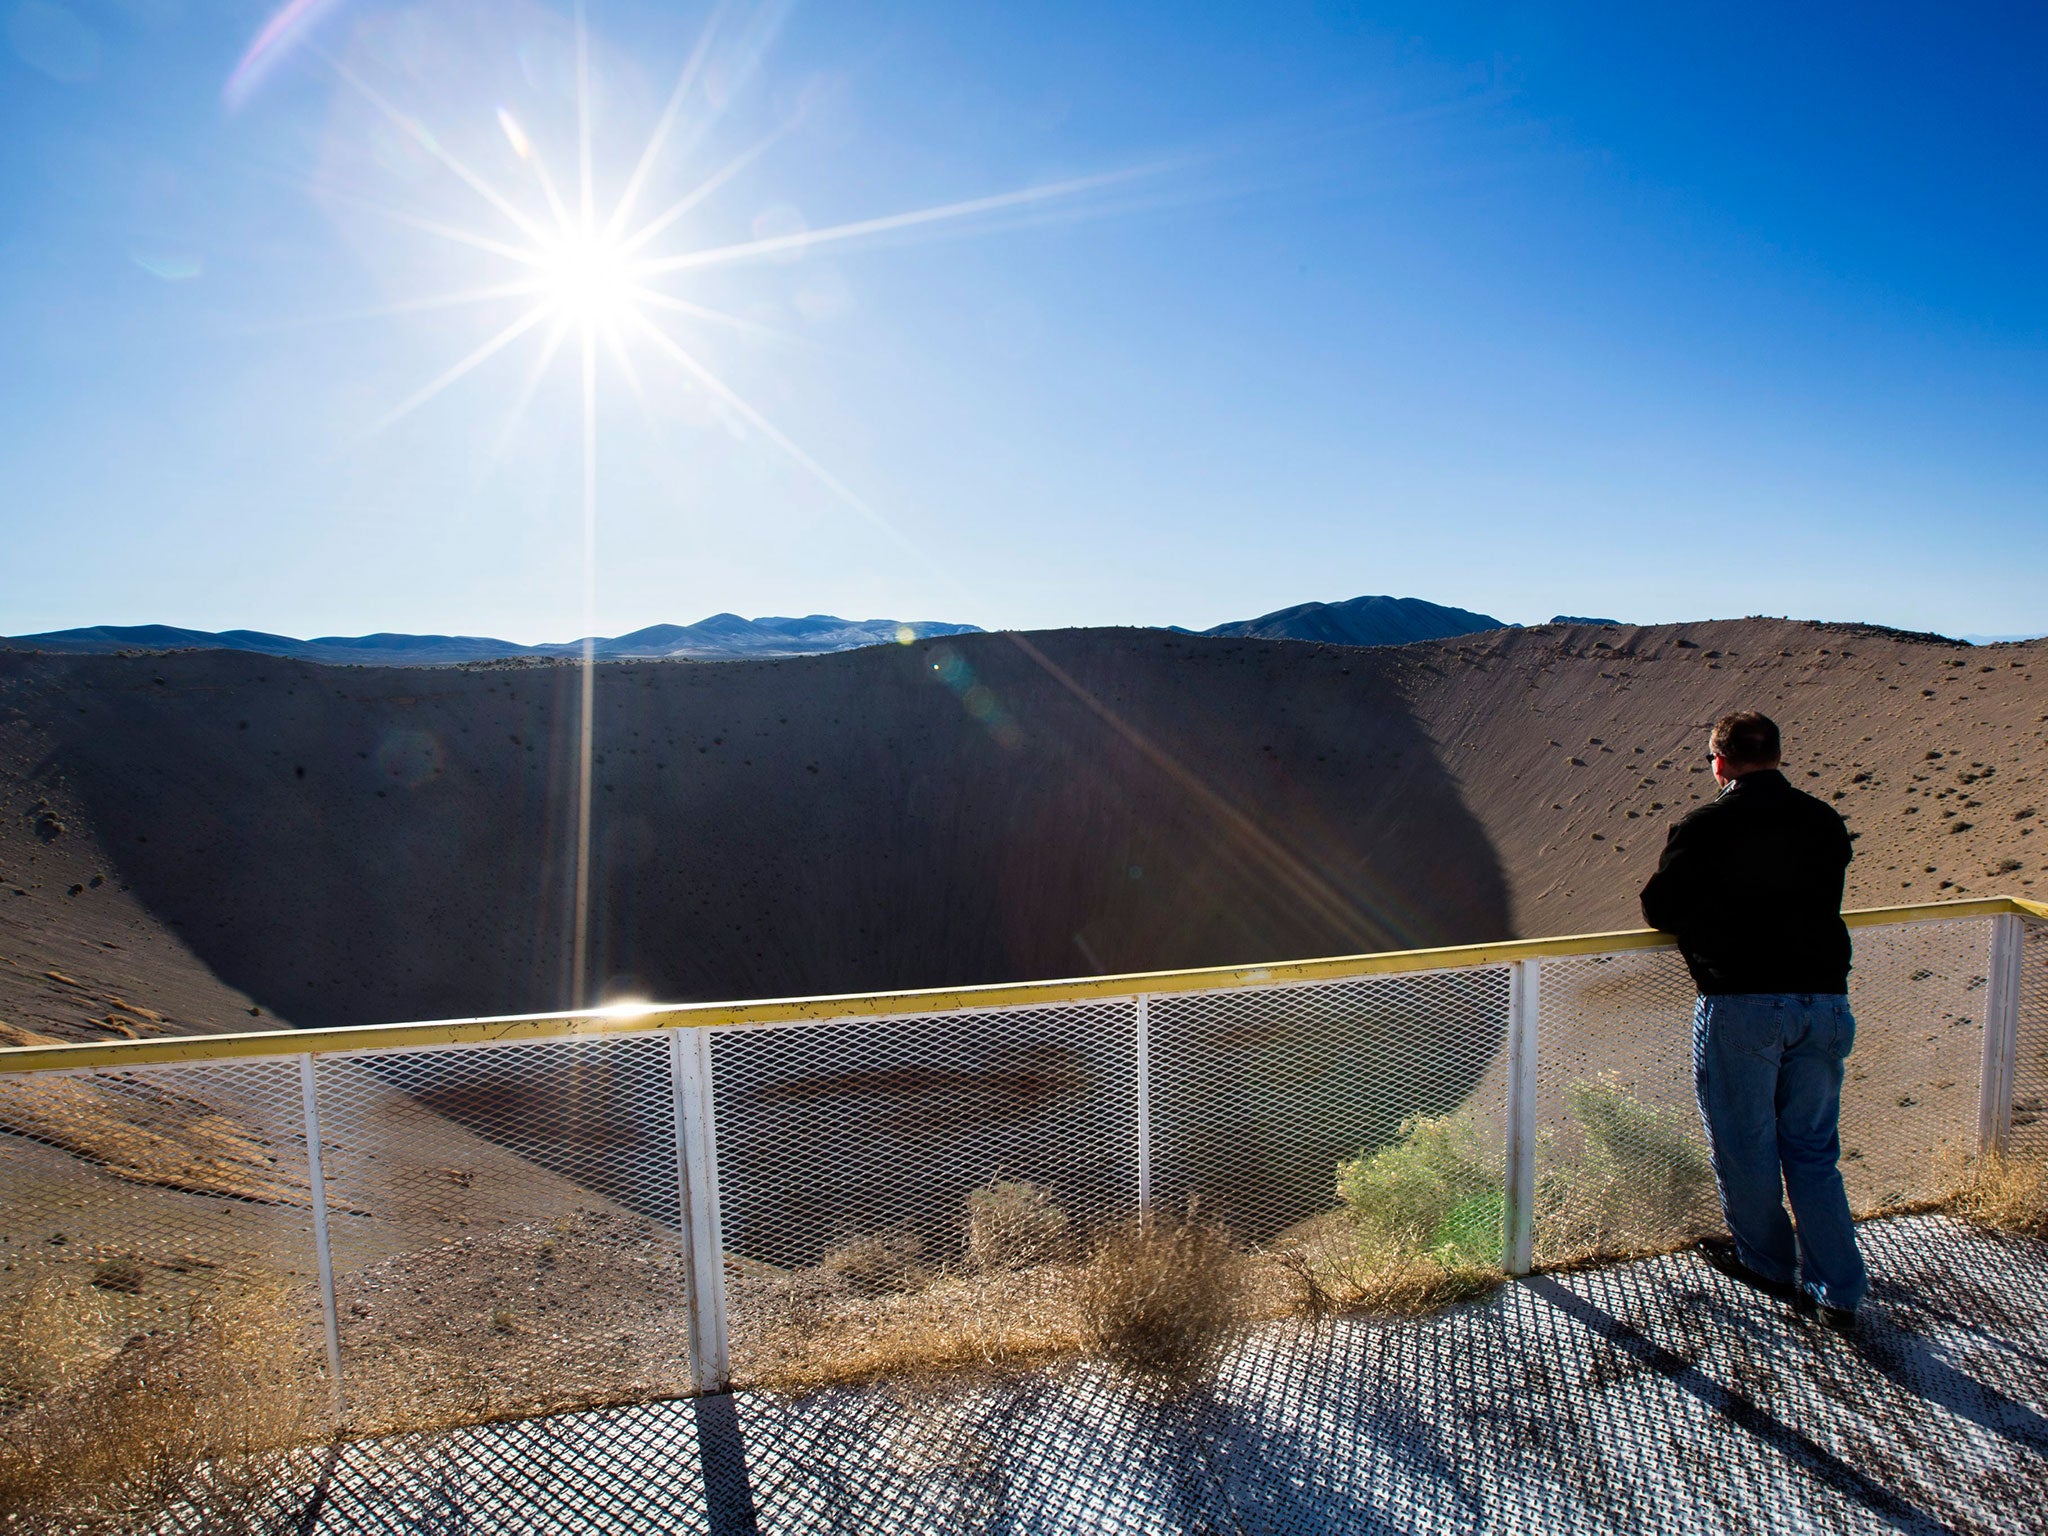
column 1914, row 1369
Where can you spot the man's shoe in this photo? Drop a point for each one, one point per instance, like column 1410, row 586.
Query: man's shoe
column 1835, row 1319
column 1720, row 1253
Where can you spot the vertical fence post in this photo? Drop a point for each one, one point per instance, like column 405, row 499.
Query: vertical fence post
column 2001, row 1034
column 689, row 1058
column 1144, row 1048
column 316, row 1185
column 1518, row 1246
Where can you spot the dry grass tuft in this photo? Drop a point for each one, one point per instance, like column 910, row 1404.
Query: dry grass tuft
column 2008, row 1194
column 879, row 1263
column 812, row 1329
column 1160, row 1301
column 1327, row 1270
column 1012, row 1225
column 106, row 1439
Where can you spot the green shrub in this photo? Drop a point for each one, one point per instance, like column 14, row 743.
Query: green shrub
column 1470, row 1233
column 1644, row 1180
column 1436, row 1191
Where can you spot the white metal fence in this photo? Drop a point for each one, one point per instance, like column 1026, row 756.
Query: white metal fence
column 459, row 1229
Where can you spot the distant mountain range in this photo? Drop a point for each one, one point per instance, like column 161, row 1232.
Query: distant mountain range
column 722, row 637
column 1362, row 621
column 728, row 637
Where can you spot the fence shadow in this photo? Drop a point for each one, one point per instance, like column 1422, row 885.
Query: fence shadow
column 1654, row 1393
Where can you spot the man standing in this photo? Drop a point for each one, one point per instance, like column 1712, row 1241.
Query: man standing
column 1751, row 885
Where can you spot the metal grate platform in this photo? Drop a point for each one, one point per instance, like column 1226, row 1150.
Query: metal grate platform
column 1649, row 1396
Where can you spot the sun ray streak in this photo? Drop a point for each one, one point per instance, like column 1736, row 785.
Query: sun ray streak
column 583, row 119
column 1264, row 855
column 531, row 387
column 521, row 254
column 484, row 353
column 587, row 733
column 942, row 213
column 750, row 45
column 704, row 189
column 548, row 189
column 724, row 392
column 692, row 68
column 525, row 288
column 615, row 343
column 418, row 133
column 945, row 211
column 668, row 301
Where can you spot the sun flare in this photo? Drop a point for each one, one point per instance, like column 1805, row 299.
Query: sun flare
column 592, row 269
column 588, row 278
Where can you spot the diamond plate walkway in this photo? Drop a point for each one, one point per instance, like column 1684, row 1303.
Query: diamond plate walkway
column 1650, row 1396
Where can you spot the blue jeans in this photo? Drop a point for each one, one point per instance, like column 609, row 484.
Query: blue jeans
column 1768, row 1070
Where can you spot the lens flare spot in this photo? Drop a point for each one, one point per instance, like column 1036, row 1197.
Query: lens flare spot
column 782, row 222
column 515, row 135
column 289, row 25
column 409, row 759
column 171, row 266
column 976, row 698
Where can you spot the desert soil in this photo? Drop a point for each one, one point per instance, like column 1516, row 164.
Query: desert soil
column 209, row 841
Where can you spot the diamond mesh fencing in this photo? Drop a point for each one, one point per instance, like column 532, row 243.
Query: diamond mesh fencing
column 1276, row 1109
column 156, row 1252
column 894, row 1189
column 1621, row 1155
column 505, row 1228
column 1909, row 1102
column 512, row 1228
column 2029, row 1138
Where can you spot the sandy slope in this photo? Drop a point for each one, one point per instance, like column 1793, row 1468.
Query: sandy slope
column 1576, row 747
column 343, row 845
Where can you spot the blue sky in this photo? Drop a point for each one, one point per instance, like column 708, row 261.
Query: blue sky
column 1644, row 311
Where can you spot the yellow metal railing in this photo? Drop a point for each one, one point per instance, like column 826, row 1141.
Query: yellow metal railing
column 637, row 1018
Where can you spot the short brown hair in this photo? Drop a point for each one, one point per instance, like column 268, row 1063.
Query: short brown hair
column 1747, row 739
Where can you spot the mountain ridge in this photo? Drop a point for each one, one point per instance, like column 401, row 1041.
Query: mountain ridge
column 722, row 636
column 1369, row 620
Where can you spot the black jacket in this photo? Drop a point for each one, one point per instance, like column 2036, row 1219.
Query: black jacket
column 1751, row 885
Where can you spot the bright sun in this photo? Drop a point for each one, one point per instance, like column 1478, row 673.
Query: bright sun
column 588, row 278
column 600, row 277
